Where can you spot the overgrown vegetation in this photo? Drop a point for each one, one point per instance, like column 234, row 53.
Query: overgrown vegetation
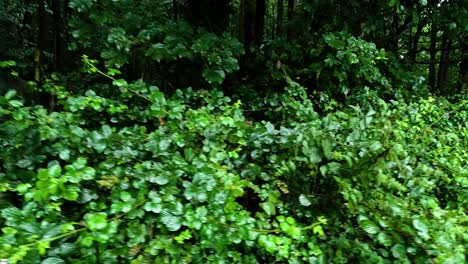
column 233, row 132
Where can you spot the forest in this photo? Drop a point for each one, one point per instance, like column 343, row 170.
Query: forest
column 233, row 131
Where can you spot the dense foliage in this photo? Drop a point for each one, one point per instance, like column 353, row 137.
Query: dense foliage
column 243, row 131
column 190, row 179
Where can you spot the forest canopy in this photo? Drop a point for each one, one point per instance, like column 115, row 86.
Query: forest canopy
column 233, row 131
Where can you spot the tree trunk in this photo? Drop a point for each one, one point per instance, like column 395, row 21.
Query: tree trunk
column 242, row 20
column 260, row 12
column 463, row 70
column 247, row 18
column 42, row 39
column 175, row 11
column 291, row 8
column 44, row 97
column 210, row 14
column 432, row 54
column 414, row 46
column 59, row 45
column 279, row 18
column 443, row 65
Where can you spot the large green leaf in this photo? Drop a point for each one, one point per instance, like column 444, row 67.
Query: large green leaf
column 369, row 227
column 96, row 221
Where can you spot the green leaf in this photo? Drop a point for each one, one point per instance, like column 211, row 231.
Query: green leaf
column 23, row 187
column 66, row 248
column 65, row 154
column 315, row 156
column 270, row 128
column 327, row 149
column 6, row 64
column 42, row 246
column 125, row 196
column 318, row 230
column 10, row 94
column 303, row 200
column 31, row 228
column 422, row 229
column 186, row 234
column 71, row 193
column 284, row 226
column 15, row 103
column 384, row 239
column 52, row 231
column 79, row 164
column 152, row 206
column 269, row 208
column 295, row 232
column 267, row 241
column 170, row 221
column 334, row 42
column 398, row 251
column 369, row 227
column 420, row 226
column 214, row 76
column 54, row 171
column 87, row 173
column 189, row 154
column 375, row 146
column 161, row 179
column 24, row 163
column 290, row 220
column 96, row 221
column 86, row 195
column 53, row 260
column 120, row 83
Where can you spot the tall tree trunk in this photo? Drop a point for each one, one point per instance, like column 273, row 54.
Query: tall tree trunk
column 175, row 10
column 210, row 14
column 241, row 20
column 59, row 44
column 291, row 8
column 463, row 70
column 42, row 38
column 432, row 54
column 414, row 46
column 279, row 18
column 247, row 18
column 260, row 12
column 45, row 98
column 443, row 65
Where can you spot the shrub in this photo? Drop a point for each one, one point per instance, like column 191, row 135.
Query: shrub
column 187, row 179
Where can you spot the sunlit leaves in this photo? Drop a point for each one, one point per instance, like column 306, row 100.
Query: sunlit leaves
column 269, row 208
column 6, row 64
column 96, row 221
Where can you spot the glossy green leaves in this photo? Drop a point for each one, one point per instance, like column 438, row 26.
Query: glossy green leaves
column 188, row 176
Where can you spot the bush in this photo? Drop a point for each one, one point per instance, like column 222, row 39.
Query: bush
column 188, row 179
